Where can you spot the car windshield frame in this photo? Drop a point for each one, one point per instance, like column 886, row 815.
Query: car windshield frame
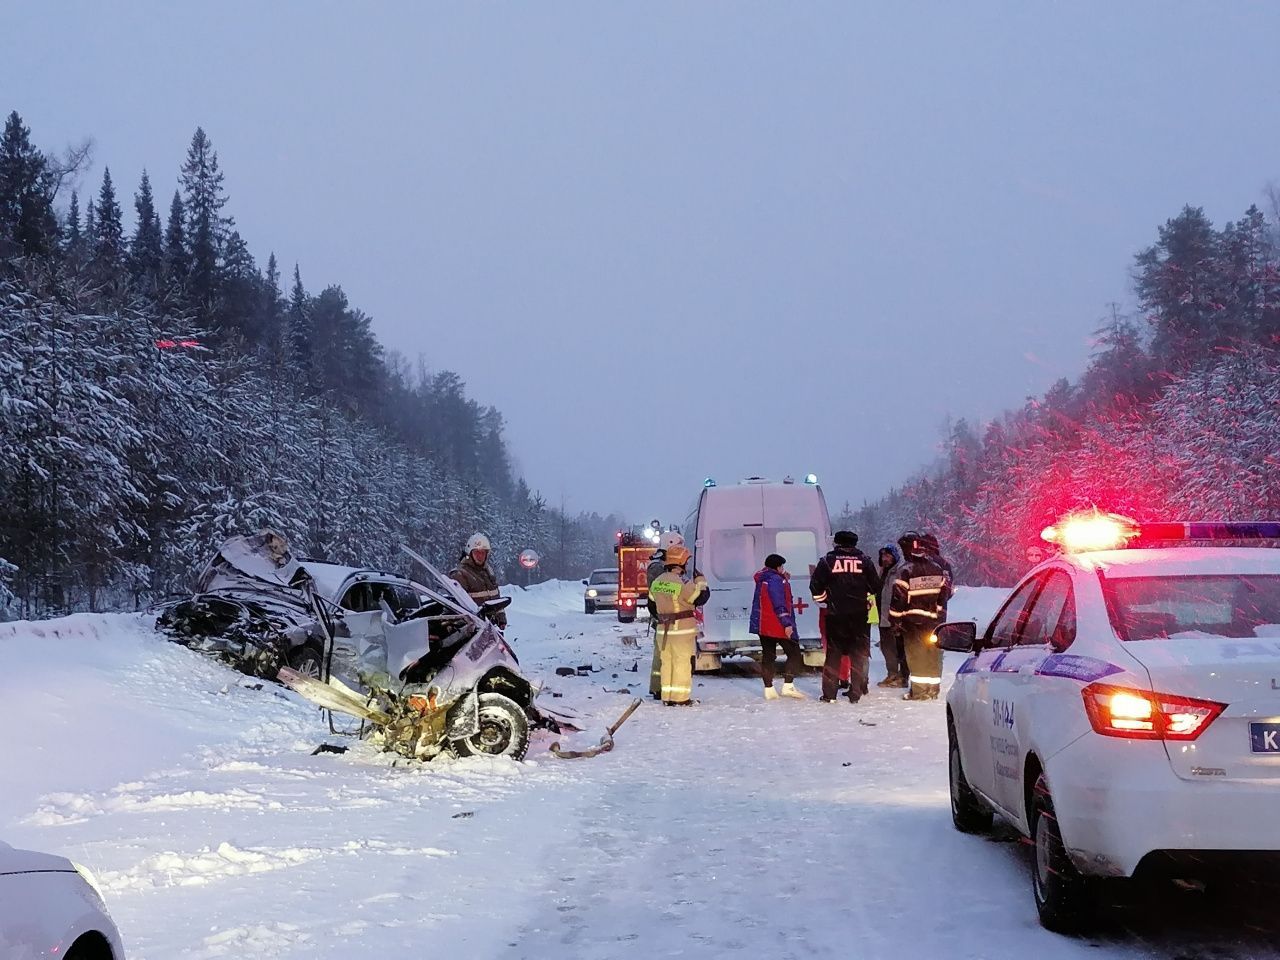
column 1124, row 617
column 612, row 582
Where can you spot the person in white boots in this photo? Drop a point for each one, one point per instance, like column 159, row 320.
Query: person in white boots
column 773, row 621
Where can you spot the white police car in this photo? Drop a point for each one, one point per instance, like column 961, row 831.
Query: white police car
column 1124, row 705
column 51, row 907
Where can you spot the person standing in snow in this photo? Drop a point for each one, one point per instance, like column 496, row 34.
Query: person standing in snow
column 773, row 620
column 657, row 567
column 844, row 580
column 895, row 661
column 475, row 577
column 920, row 593
column 677, row 627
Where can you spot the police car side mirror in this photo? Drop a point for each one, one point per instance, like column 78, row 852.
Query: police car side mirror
column 958, row 637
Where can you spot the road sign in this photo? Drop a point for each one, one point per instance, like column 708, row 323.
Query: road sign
column 529, row 559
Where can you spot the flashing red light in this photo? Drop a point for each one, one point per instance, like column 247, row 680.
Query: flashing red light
column 1093, row 530
column 1139, row 715
column 628, row 602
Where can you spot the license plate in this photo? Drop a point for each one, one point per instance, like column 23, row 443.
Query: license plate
column 1265, row 737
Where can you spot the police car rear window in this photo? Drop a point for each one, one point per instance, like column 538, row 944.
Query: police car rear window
column 1191, row 607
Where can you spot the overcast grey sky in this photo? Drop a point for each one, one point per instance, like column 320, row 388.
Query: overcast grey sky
column 777, row 238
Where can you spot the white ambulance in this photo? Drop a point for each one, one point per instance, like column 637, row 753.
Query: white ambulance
column 730, row 531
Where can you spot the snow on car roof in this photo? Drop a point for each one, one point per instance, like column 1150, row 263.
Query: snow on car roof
column 1179, row 561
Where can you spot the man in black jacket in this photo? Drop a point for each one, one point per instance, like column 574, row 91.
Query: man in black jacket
column 843, row 580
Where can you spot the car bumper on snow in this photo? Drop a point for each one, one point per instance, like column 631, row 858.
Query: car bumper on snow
column 1117, row 806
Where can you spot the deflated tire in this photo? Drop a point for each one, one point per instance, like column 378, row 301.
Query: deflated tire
column 503, row 732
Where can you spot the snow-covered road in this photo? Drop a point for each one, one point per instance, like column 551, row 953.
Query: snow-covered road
column 735, row 828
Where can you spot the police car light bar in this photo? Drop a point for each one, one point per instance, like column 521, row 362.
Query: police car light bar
column 1211, row 530
column 1095, row 530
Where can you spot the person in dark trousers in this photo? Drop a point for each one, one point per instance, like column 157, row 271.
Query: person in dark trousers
column 773, row 621
column 843, row 580
column 920, row 593
column 895, row 661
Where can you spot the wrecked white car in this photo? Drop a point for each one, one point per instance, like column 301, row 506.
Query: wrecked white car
column 440, row 678
column 423, row 668
column 259, row 609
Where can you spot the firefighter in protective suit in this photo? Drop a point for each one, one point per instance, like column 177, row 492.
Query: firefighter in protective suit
column 475, row 577
column 656, row 568
column 920, row 594
column 675, row 601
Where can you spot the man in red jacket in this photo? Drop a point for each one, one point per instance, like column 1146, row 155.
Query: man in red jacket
column 773, row 621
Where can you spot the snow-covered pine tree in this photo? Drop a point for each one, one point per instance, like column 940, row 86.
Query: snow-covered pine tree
column 28, row 224
column 146, row 249
column 177, row 259
column 203, row 200
column 108, row 236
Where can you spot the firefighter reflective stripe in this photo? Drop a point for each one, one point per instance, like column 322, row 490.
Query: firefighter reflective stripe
column 820, row 597
column 483, row 594
column 913, row 612
column 925, row 586
column 928, row 681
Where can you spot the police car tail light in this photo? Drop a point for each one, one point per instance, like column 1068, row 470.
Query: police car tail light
column 1091, row 531
column 1140, row 715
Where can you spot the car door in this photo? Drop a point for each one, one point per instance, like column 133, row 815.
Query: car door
column 362, row 613
column 984, row 731
column 1016, row 680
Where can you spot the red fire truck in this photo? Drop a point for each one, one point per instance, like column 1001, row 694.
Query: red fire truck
column 634, row 553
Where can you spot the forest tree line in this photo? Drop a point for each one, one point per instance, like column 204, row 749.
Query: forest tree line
column 1176, row 417
column 161, row 391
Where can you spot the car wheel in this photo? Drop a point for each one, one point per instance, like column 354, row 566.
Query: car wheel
column 307, row 660
column 1064, row 896
column 968, row 813
column 504, row 730
column 589, row 607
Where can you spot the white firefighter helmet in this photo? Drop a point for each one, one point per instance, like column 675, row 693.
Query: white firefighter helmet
column 670, row 539
column 478, row 541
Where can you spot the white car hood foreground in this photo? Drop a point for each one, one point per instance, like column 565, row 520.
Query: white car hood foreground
column 13, row 860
